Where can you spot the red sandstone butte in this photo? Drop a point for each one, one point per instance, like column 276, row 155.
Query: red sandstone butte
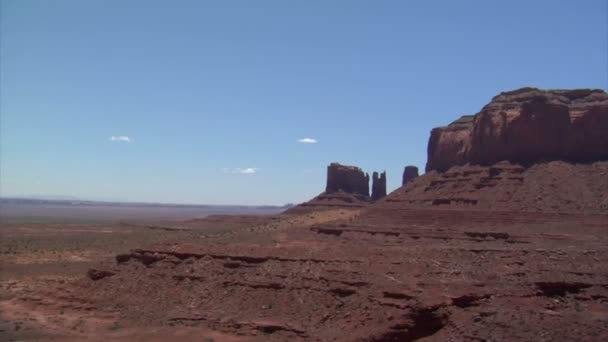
column 349, row 179
column 409, row 173
column 526, row 126
column 347, row 187
column 378, row 185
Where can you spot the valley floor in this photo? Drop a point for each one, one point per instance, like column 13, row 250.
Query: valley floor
column 386, row 274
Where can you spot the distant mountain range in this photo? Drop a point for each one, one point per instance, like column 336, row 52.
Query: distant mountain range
column 72, row 200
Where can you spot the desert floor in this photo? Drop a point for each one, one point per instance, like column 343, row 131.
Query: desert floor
column 335, row 275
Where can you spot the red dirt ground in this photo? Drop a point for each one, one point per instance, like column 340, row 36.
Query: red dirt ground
column 384, row 273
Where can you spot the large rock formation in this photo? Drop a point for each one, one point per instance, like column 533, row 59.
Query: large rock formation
column 378, row 186
column 350, row 179
column 347, row 188
column 525, row 126
column 410, row 172
column 528, row 150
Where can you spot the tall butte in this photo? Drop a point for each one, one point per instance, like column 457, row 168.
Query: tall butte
column 347, row 187
column 350, row 179
column 378, row 186
column 526, row 126
column 528, row 150
column 409, row 173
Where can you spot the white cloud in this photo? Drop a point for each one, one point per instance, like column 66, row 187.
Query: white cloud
column 247, row 170
column 120, row 138
column 242, row 171
column 307, row 141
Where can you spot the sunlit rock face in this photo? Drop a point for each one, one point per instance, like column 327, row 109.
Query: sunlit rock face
column 526, row 126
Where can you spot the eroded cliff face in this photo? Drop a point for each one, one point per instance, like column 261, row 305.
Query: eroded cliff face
column 448, row 146
column 349, row 179
column 525, row 126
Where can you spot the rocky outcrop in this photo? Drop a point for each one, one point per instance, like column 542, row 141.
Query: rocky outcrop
column 349, row 179
column 378, row 186
column 525, row 126
column 410, row 172
column 347, row 188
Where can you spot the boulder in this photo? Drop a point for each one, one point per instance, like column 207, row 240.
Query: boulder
column 526, row 126
column 95, row 274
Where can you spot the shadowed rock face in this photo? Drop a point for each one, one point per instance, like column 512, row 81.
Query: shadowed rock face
column 349, row 179
column 378, row 186
column 527, row 125
column 410, row 172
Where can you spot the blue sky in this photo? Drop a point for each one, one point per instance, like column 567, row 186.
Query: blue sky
column 214, row 95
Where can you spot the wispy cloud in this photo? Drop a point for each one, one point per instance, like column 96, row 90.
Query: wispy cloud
column 248, row 170
column 120, row 138
column 307, row 141
column 242, row 171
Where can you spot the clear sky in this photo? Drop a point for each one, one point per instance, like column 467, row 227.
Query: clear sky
column 206, row 100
